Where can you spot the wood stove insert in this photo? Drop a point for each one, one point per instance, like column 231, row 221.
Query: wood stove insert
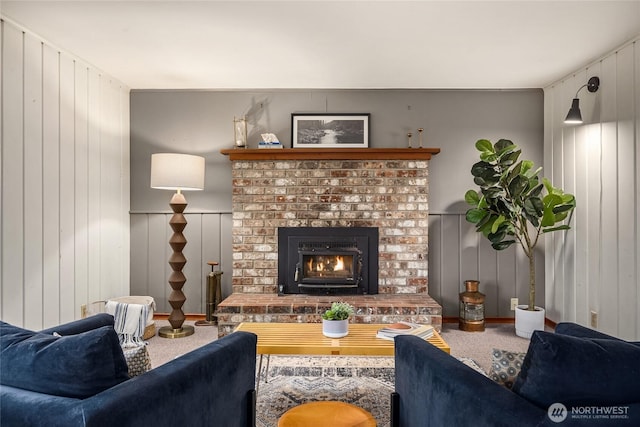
column 328, row 260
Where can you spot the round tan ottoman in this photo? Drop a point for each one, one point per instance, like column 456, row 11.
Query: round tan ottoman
column 326, row 413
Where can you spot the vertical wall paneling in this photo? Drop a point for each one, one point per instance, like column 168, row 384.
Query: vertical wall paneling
column 208, row 239
column 609, row 291
column 67, row 188
column 450, row 270
column 580, row 225
column 458, row 253
column 226, row 254
column 124, row 130
column 51, row 185
column 81, row 188
column 60, row 130
column 211, row 250
column 33, row 227
column 94, row 194
column 566, row 240
column 12, row 175
column 636, row 73
column 140, row 255
column 603, row 159
column 626, row 205
column 193, row 269
column 435, row 259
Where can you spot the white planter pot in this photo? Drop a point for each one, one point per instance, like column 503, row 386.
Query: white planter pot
column 529, row 321
column 335, row 328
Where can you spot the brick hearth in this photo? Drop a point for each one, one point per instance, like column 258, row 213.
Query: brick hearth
column 381, row 308
column 384, row 188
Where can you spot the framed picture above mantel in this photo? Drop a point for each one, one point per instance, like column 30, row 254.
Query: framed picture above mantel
column 314, row 130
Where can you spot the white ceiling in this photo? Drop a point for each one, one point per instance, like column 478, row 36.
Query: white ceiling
column 155, row 44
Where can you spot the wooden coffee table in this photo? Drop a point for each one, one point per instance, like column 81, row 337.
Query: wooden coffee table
column 307, row 338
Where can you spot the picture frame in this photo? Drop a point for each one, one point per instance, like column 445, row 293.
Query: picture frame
column 325, row 130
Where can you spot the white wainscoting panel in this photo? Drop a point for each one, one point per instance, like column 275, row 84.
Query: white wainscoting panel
column 208, row 239
column 64, row 229
column 595, row 267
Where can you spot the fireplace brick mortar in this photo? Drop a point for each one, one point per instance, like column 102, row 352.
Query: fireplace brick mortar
column 389, row 194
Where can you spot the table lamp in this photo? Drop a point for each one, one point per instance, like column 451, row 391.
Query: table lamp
column 179, row 172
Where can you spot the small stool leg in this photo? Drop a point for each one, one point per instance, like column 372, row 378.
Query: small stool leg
column 266, row 372
column 259, row 374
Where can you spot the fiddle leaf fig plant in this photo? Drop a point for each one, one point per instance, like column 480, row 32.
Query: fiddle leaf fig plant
column 512, row 205
column 338, row 311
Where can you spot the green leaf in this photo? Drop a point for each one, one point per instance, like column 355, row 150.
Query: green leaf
column 497, row 223
column 475, row 215
column 536, row 189
column 518, row 186
column 560, row 227
column 509, row 158
column 499, row 246
column 472, row 197
column 548, row 218
column 502, row 144
column 484, row 145
column 533, row 206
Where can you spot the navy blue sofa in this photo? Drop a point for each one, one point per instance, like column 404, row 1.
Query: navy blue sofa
column 573, row 377
column 212, row 385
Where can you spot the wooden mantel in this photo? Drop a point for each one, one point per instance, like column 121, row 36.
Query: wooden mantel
column 330, row 153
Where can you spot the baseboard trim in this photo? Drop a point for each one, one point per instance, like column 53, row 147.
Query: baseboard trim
column 548, row 323
column 188, row 316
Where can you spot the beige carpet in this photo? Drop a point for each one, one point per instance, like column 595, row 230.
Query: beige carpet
column 473, row 345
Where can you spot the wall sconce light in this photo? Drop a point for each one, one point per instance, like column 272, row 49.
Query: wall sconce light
column 179, row 172
column 574, row 116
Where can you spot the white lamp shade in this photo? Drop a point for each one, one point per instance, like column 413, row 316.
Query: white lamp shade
column 171, row 171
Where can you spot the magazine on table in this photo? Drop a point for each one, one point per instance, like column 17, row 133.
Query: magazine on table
column 405, row 328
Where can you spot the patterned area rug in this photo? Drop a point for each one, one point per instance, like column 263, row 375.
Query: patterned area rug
column 363, row 381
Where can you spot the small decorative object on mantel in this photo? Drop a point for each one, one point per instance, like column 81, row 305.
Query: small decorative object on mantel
column 311, row 130
column 420, row 130
column 409, row 135
column 471, row 308
column 240, row 132
column 269, row 140
column 335, row 321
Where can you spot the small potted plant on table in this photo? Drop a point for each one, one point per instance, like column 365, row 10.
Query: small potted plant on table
column 335, row 321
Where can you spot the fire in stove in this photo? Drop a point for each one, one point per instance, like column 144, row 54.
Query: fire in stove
column 328, row 266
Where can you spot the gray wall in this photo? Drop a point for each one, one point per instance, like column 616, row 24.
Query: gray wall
column 200, row 122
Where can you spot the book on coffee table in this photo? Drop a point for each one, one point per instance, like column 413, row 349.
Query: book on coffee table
column 389, row 332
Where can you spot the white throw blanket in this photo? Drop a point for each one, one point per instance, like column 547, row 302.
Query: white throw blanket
column 130, row 321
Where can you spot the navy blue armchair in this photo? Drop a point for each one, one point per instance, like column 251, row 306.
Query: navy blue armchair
column 212, row 385
column 576, row 376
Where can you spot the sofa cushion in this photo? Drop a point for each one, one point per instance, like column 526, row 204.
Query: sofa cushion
column 71, row 366
column 578, row 371
column 505, row 366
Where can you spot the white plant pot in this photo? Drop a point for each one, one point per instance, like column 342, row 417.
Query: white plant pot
column 335, row 328
column 529, row 321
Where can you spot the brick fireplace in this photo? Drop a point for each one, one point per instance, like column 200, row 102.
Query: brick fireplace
column 383, row 188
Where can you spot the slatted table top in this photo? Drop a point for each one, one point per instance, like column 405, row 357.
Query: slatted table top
column 307, row 338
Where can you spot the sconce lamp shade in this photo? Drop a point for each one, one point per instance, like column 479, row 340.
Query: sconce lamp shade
column 171, row 171
column 574, row 116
